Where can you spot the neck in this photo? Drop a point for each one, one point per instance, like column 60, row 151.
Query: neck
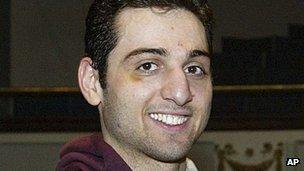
column 137, row 160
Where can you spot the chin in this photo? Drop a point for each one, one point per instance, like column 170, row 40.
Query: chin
column 170, row 157
column 171, row 153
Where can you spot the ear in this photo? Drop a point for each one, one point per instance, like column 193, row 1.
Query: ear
column 88, row 80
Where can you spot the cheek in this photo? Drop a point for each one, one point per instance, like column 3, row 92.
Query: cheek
column 202, row 92
column 134, row 79
column 202, row 101
column 135, row 90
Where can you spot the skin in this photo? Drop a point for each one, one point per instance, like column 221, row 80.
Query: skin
column 141, row 83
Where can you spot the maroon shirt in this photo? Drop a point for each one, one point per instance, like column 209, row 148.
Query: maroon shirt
column 90, row 153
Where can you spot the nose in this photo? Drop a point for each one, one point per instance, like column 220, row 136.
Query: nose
column 176, row 88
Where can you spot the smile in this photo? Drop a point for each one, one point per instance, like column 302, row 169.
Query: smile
column 169, row 119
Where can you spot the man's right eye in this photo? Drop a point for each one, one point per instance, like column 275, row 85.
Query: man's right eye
column 148, row 67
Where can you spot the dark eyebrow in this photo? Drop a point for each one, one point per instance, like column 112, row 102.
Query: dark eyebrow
column 196, row 53
column 164, row 52
column 155, row 51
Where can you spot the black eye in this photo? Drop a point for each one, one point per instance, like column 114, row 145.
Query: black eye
column 148, row 66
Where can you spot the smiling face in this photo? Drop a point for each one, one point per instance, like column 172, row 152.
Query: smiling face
column 159, row 89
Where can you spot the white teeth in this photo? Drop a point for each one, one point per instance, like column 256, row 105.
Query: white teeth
column 175, row 120
column 154, row 116
column 159, row 117
column 169, row 119
column 179, row 121
column 164, row 119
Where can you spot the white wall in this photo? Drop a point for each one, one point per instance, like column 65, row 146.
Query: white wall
column 47, row 36
column 255, row 18
column 46, row 41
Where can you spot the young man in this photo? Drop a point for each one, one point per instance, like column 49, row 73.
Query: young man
column 148, row 72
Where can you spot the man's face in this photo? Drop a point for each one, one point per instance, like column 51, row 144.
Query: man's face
column 159, row 89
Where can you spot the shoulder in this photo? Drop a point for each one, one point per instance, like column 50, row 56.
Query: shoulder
column 81, row 154
column 87, row 144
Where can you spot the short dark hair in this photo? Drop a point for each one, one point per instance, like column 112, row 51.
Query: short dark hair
column 101, row 36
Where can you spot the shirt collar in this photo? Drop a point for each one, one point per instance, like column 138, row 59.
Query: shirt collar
column 190, row 166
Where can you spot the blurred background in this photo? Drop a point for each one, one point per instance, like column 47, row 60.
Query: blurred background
column 258, row 105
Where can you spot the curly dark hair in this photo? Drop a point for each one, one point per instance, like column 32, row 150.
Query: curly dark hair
column 101, row 36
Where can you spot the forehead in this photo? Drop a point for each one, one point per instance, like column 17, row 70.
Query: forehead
column 173, row 30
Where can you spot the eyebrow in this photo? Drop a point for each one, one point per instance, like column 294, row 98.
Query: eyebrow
column 154, row 51
column 196, row 53
column 164, row 52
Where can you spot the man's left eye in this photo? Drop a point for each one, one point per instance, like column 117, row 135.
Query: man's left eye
column 195, row 70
